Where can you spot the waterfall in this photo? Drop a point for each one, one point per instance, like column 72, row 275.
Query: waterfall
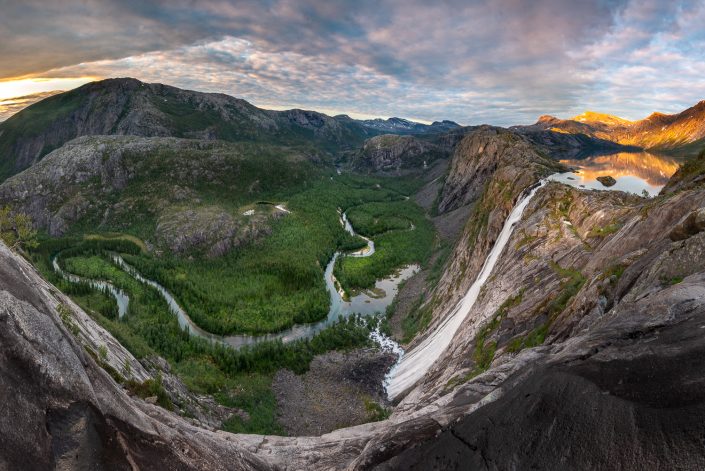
column 413, row 365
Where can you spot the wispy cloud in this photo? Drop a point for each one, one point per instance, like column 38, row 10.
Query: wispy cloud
column 10, row 106
column 502, row 62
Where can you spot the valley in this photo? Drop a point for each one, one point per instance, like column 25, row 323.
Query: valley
column 289, row 290
column 270, row 293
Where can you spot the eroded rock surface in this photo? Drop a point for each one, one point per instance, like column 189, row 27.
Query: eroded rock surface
column 584, row 349
column 393, row 153
column 62, row 411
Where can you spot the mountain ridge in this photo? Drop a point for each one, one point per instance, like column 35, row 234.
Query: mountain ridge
column 678, row 132
column 127, row 106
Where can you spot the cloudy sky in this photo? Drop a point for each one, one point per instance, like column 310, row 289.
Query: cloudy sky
column 496, row 61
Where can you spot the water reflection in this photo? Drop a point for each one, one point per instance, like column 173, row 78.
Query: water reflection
column 635, row 172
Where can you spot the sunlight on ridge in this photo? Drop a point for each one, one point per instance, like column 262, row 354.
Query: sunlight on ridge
column 28, row 86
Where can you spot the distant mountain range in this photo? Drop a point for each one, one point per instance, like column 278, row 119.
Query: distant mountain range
column 404, row 126
column 129, row 107
column 682, row 132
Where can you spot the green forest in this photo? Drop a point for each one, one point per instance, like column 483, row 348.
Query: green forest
column 264, row 286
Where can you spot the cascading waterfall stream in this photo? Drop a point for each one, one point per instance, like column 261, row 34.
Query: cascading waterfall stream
column 412, row 366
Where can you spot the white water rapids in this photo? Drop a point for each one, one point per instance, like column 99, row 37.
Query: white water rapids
column 412, row 366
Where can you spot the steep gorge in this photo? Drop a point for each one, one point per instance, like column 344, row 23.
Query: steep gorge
column 587, row 332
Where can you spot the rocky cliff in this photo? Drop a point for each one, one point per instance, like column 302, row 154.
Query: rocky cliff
column 390, row 153
column 64, row 411
column 586, row 336
column 583, row 349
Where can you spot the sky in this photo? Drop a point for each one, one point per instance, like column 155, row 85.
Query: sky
column 500, row 62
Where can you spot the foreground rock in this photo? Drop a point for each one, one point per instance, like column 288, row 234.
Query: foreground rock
column 339, row 390
column 627, row 395
column 63, row 411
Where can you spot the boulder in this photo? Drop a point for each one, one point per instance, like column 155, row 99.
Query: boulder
column 690, row 225
column 607, row 180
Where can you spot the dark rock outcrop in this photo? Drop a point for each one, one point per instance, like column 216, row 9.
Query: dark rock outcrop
column 208, row 230
column 690, row 225
column 607, row 180
column 340, row 389
column 393, row 153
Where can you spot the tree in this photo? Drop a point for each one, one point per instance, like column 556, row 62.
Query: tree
column 16, row 229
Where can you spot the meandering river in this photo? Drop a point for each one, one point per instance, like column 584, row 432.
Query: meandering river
column 121, row 298
column 364, row 303
column 636, row 173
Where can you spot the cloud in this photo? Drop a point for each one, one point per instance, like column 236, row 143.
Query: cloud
column 10, row 106
column 502, row 61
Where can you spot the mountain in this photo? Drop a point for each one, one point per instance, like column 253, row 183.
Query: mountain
column 109, row 181
column 580, row 343
column 129, row 107
column 682, row 132
column 583, row 347
column 404, row 126
column 595, row 118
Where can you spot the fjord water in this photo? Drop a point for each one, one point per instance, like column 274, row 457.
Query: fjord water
column 635, row 172
column 413, row 366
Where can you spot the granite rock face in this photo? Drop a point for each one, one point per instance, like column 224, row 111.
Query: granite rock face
column 607, row 180
column 393, row 153
column 584, row 350
column 690, row 225
column 487, row 153
column 63, row 411
column 627, row 395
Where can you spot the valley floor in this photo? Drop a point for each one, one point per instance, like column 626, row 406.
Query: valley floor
column 267, row 386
